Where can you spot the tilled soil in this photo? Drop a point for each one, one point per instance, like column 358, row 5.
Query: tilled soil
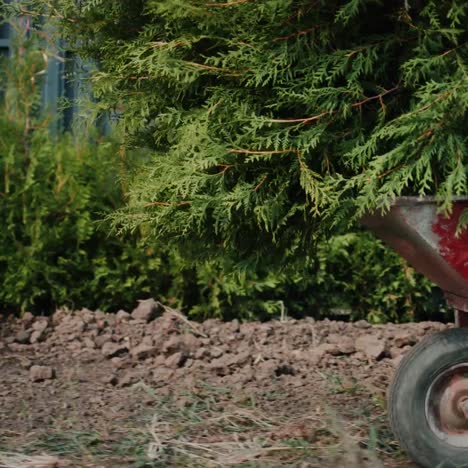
column 152, row 388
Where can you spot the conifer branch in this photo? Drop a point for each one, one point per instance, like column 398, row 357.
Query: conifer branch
column 227, row 4
column 225, row 167
column 295, row 34
column 215, row 69
column 323, row 114
column 453, row 49
column 300, row 11
column 265, row 152
column 32, row 13
column 257, row 187
column 159, row 203
column 372, row 98
column 300, row 161
column 304, row 120
column 159, row 44
column 386, row 173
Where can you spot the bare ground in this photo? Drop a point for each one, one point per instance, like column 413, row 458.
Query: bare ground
column 89, row 389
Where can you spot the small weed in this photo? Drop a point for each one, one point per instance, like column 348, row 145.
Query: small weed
column 337, row 385
column 93, row 447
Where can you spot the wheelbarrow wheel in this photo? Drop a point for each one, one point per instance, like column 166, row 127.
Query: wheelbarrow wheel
column 428, row 400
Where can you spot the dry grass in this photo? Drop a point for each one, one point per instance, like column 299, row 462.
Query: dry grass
column 15, row 460
column 207, row 432
column 218, row 427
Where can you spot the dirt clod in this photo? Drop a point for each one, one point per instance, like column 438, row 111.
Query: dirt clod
column 39, row 373
column 131, row 377
column 175, row 360
column 37, row 335
column 40, row 324
column 122, row 316
column 23, row 336
column 143, row 351
column 27, row 319
column 110, row 349
column 265, row 370
column 372, row 346
column 147, row 310
column 404, row 338
column 162, row 375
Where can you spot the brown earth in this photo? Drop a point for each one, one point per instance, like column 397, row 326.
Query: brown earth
column 152, row 388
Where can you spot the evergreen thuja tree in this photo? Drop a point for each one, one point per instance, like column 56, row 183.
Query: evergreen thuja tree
column 271, row 121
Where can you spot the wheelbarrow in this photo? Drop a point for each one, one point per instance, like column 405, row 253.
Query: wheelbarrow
column 428, row 398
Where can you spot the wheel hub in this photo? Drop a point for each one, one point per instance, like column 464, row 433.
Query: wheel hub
column 447, row 406
column 463, row 406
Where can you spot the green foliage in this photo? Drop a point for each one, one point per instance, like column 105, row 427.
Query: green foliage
column 52, row 252
column 352, row 276
column 358, row 273
column 272, row 121
column 262, row 124
column 53, row 192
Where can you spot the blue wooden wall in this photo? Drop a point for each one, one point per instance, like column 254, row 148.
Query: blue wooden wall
column 65, row 80
column 4, row 39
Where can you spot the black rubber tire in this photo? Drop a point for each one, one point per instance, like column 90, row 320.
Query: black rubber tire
column 407, row 398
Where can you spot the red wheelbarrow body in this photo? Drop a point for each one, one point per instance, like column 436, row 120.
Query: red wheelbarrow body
column 428, row 397
column 427, row 240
